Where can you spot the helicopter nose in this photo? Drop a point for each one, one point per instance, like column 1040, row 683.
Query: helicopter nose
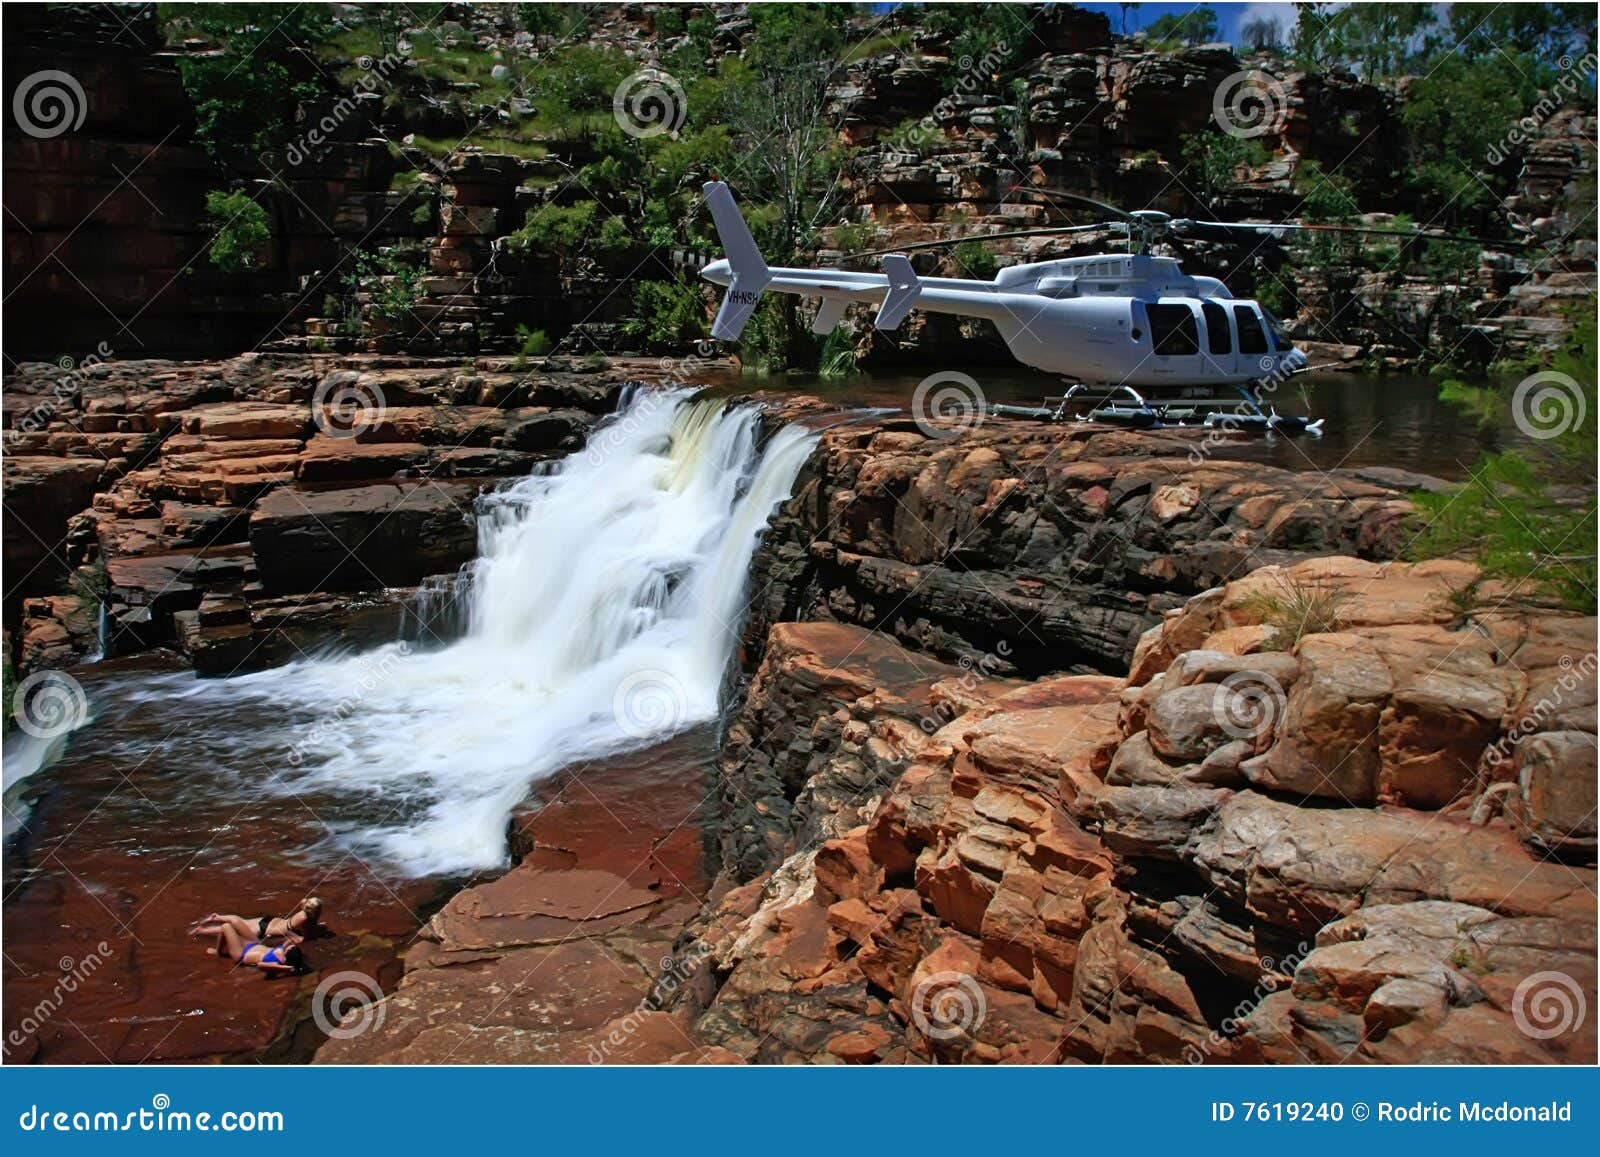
column 718, row 272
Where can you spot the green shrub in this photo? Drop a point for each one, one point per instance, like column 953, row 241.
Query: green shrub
column 239, row 229
column 395, row 287
column 666, row 314
column 973, row 259
column 1527, row 517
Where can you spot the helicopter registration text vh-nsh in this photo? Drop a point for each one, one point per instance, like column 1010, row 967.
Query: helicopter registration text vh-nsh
column 1120, row 319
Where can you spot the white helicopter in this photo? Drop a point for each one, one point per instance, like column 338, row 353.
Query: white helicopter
column 1116, row 321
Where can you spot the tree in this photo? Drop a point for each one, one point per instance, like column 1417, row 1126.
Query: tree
column 1196, row 27
column 245, row 94
column 1378, row 41
column 1454, row 116
column 1261, row 32
column 1127, row 8
column 239, row 229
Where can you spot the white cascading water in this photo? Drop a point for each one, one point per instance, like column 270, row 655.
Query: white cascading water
column 604, row 606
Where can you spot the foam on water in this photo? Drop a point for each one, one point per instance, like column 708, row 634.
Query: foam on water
column 602, row 611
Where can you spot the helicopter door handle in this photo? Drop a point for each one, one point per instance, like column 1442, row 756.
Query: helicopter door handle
column 904, row 289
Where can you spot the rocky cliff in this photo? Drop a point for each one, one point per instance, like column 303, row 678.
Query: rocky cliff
column 110, row 217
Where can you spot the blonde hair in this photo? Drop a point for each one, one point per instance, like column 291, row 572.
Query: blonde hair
column 311, row 906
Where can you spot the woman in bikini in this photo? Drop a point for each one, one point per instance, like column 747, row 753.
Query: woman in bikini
column 253, row 954
column 303, row 922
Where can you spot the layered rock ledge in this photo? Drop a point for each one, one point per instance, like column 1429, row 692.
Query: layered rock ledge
column 1365, row 835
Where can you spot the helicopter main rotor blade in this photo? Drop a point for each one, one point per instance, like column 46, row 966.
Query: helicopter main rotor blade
column 1188, row 225
column 1042, row 231
column 1088, row 202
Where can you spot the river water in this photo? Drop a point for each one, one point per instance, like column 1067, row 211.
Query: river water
column 598, row 619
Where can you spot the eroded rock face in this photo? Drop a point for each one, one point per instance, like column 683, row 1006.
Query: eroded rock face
column 1082, row 868
column 1065, row 545
column 188, row 497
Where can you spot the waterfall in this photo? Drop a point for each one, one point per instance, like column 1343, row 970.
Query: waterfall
column 600, row 613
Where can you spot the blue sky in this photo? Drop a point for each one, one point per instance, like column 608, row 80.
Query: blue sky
column 1229, row 16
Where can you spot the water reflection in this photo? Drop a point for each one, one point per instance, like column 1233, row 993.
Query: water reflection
column 1370, row 420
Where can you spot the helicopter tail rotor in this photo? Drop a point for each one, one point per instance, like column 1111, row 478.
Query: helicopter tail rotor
column 750, row 272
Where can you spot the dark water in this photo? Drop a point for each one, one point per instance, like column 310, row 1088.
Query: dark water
column 1370, row 420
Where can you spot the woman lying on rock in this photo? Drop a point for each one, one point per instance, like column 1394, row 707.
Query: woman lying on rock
column 304, row 922
column 287, row 957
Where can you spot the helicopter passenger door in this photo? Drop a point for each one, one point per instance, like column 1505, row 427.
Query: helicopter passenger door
column 1174, row 341
column 1220, row 358
column 1253, row 344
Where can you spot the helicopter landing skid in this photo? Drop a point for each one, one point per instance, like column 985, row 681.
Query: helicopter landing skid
column 1124, row 406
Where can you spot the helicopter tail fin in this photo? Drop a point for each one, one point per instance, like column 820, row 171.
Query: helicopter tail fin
column 904, row 289
column 750, row 272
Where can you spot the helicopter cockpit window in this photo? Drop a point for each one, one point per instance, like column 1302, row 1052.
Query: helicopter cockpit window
column 1252, row 338
column 1173, row 332
column 1218, row 339
column 1280, row 340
